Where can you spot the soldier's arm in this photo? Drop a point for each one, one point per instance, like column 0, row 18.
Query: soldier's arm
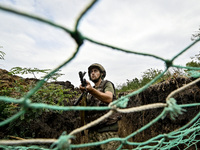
column 106, row 97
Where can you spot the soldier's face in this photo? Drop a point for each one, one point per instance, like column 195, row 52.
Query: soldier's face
column 95, row 74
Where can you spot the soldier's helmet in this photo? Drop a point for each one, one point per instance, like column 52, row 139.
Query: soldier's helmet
column 100, row 67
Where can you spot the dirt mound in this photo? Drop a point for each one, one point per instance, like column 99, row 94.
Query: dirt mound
column 37, row 123
column 155, row 94
column 51, row 124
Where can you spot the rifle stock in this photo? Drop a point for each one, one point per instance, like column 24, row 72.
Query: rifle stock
column 78, row 100
column 82, row 99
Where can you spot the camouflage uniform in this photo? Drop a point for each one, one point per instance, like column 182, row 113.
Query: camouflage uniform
column 108, row 127
column 100, row 136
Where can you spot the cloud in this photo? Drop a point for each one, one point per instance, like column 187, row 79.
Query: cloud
column 159, row 28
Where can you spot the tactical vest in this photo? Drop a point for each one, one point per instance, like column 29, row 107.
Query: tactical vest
column 92, row 101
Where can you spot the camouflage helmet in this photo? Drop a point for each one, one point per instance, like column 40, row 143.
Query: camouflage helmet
column 100, row 67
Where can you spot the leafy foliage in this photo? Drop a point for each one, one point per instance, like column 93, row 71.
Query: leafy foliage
column 196, row 35
column 22, row 71
column 136, row 83
column 33, row 71
column 53, row 94
column 195, row 61
column 49, row 93
column 16, row 91
column 7, row 110
column 147, row 76
column 2, row 54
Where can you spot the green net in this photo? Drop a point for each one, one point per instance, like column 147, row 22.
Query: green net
column 186, row 135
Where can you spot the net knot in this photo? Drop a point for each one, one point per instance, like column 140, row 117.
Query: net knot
column 77, row 37
column 63, row 143
column 26, row 103
column 168, row 63
column 173, row 109
column 122, row 102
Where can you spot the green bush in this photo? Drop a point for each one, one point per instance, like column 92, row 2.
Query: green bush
column 49, row 93
column 147, row 76
column 53, row 94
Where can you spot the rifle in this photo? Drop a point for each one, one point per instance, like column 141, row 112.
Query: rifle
column 83, row 83
column 82, row 99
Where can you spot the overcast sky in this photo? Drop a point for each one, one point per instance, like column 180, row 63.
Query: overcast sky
column 162, row 28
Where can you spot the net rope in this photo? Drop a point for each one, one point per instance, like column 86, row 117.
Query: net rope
column 185, row 135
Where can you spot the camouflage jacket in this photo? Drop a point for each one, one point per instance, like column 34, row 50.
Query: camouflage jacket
column 92, row 101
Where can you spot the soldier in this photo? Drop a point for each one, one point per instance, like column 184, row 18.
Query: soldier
column 101, row 94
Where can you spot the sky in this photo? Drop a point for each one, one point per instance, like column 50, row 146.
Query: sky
column 161, row 28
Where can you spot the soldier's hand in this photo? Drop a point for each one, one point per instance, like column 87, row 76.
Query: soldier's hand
column 88, row 87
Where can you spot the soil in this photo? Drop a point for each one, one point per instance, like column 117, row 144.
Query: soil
column 51, row 124
column 157, row 94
